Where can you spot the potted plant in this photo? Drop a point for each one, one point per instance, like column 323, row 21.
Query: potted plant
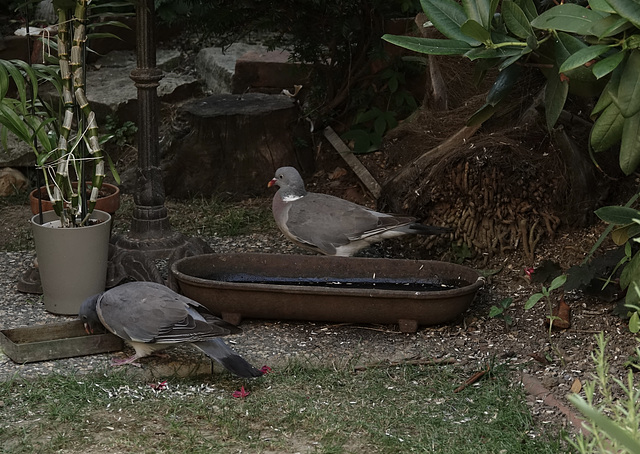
column 69, row 153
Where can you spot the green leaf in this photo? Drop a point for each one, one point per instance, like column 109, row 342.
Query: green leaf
column 390, row 119
column 380, row 125
column 101, row 35
column 112, row 168
column 428, row 45
column 478, row 10
column 393, row 84
column 495, row 311
column 533, row 299
column 481, row 115
column 507, row 62
column 361, row 140
column 604, row 101
column 601, row 5
column 620, row 236
column 529, row 9
column 555, row 96
column 617, row 215
column 18, row 79
column 583, row 56
column 516, row 19
column 634, row 323
column 606, row 132
column 475, row 30
column 368, row 115
column 447, row 16
column 607, row 64
column 565, row 46
column 4, row 80
column 610, row 26
column 629, row 9
column 608, row 93
column 503, row 84
column 629, row 150
column 628, row 96
column 483, row 52
column 558, row 282
column 567, row 17
column 631, row 272
column 611, row 428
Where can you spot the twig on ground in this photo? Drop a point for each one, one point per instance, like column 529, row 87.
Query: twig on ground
column 471, row 380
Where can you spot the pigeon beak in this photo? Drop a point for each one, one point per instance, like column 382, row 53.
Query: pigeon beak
column 88, row 329
column 272, row 182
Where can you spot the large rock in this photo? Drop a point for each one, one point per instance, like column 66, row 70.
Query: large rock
column 17, row 153
column 112, row 92
column 268, row 72
column 12, row 181
column 216, row 66
column 243, row 68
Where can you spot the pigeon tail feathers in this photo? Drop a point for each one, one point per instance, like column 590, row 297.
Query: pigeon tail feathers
column 230, row 360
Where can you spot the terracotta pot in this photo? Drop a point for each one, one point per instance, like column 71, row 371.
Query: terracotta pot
column 72, row 261
column 108, row 203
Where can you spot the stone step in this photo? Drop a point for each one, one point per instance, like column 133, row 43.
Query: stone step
column 243, row 68
column 216, row 66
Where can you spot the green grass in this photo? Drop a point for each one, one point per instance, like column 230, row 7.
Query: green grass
column 297, row 408
column 208, row 216
column 200, row 216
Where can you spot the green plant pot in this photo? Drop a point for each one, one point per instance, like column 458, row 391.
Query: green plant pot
column 72, row 261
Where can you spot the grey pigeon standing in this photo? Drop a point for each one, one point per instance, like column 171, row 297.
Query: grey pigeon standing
column 333, row 226
column 151, row 317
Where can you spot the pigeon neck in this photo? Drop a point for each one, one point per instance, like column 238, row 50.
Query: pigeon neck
column 289, row 194
column 290, row 197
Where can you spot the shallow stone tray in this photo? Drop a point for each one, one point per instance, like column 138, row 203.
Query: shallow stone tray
column 55, row 341
column 212, row 280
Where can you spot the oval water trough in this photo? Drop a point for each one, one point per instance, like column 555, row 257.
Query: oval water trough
column 331, row 289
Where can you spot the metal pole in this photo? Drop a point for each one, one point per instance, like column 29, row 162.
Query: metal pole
column 150, row 228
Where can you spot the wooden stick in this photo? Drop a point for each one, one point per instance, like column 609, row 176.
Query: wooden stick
column 361, row 171
column 471, row 380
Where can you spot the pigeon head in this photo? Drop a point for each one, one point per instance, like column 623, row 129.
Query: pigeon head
column 89, row 315
column 290, row 183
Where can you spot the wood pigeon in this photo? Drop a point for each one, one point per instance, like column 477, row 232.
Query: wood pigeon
column 333, row 226
column 150, row 317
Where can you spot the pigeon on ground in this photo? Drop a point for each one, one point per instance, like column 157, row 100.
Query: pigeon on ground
column 333, row 226
column 151, row 317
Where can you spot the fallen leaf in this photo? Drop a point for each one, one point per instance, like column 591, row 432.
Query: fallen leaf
column 576, row 387
column 561, row 316
column 338, row 172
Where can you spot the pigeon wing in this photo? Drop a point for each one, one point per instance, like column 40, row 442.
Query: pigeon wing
column 329, row 222
column 150, row 312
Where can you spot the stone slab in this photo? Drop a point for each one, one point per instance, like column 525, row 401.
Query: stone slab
column 216, row 66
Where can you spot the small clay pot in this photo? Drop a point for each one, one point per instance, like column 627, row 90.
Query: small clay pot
column 108, row 203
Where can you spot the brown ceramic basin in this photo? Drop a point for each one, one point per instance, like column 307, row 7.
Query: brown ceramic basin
column 332, row 289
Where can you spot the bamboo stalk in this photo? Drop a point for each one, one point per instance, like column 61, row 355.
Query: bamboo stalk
column 62, row 170
column 72, row 36
column 92, row 139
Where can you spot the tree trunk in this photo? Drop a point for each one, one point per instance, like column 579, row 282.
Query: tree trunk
column 234, row 144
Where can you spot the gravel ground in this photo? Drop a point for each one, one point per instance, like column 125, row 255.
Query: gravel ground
column 471, row 342
column 262, row 342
